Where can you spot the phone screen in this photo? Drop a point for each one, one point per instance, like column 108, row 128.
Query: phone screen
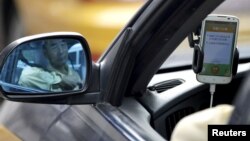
column 218, row 47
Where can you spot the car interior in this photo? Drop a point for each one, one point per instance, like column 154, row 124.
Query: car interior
column 178, row 94
column 174, row 93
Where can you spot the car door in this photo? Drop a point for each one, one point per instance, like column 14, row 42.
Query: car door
column 102, row 122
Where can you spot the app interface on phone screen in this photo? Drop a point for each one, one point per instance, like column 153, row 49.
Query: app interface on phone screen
column 218, row 46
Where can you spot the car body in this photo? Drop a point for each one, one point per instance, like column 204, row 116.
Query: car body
column 124, row 99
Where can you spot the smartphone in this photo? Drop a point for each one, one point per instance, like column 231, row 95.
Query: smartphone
column 218, row 42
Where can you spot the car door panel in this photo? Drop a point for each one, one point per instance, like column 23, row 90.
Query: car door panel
column 81, row 123
column 27, row 123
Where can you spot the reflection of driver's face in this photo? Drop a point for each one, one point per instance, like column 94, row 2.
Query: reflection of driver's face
column 57, row 52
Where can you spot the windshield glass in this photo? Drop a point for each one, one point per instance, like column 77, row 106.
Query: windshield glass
column 183, row 55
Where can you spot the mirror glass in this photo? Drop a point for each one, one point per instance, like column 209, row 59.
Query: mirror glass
column 45, row 66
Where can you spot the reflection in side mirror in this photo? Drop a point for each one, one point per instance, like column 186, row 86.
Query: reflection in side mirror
column 45, row 65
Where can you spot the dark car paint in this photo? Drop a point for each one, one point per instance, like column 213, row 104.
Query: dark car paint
column 125, row 69
column 78, row 122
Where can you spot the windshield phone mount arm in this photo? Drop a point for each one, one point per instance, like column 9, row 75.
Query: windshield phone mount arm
column 194, row 42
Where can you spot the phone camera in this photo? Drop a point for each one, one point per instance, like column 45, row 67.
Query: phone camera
column 228, row 18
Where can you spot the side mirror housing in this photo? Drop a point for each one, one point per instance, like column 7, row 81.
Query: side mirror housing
column 47, row 68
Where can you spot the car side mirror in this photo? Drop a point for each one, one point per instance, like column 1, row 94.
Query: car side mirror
column 40, row 68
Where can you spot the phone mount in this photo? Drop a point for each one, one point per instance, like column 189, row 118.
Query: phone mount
column 198, row 55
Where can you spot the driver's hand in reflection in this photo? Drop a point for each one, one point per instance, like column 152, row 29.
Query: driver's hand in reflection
column 69, row 82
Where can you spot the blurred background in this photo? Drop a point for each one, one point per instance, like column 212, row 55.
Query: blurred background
column 99, row 21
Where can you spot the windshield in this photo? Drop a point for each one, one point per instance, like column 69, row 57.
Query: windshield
column 183, row 55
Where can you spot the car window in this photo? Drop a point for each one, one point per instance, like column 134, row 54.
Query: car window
column 183, row 55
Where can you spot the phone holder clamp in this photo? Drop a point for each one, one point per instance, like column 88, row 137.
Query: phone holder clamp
column 198, row 55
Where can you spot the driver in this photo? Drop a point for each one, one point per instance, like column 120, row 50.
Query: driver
column 56, row 75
